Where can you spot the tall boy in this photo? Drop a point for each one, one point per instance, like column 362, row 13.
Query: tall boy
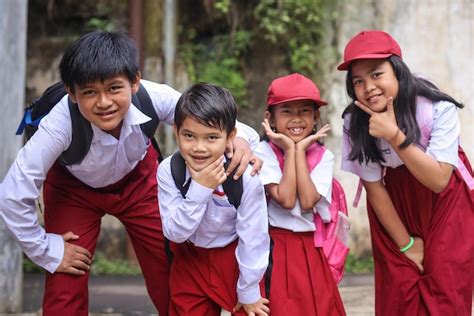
column 220, row 252
column 117, row 176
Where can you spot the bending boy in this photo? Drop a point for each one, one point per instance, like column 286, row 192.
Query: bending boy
column 117, row 176
column 220, row 251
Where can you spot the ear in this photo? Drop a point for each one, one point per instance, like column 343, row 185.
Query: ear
column 136, row 82
column 231, row 135
column 317, row 116
column 270, row 118
column 71, row 94
column 175, row 132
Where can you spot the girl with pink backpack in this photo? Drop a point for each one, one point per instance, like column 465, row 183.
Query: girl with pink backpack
column 401, row 137
column 297, row 174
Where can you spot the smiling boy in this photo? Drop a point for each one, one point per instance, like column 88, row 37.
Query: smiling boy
column 220, row 250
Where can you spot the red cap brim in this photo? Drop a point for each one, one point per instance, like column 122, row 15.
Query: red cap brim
column 345, row 65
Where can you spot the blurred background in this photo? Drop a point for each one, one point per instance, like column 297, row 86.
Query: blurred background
column 241, row 45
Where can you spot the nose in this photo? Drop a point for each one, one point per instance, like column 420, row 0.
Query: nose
column 104, row 101
column 369, row 86
column 199, row 146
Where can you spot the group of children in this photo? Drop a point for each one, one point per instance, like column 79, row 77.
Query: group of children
column 239, row 240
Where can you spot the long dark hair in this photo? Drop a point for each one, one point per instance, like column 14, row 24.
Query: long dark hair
column 364, row 146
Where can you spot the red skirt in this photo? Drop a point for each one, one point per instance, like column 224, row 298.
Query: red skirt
column 445, row 222
column 301, row 281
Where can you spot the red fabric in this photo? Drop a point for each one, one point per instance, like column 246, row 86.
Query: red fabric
column 445, row 222
column 70, row 205
column 202, row 281
column 301, row 281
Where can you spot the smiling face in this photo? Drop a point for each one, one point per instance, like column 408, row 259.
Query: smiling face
column 374, row 81
column 295, row 119
column 201, row 145
column 105, row 104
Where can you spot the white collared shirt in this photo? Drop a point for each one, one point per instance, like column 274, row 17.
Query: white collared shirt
column 442, row 146
column 108, row 161
column 296, row 219
column 208, row 220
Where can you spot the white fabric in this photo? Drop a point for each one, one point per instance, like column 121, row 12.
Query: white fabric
column 208, row 220
column 443, row 143
column 296, row 220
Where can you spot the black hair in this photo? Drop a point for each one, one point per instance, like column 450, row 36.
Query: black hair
column 271, row 110
column 364, row 146
column 97, row 56
column 208, row 104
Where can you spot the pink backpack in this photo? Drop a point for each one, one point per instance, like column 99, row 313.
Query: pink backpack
column 333, row 236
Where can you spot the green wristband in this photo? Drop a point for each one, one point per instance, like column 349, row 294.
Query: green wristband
column 410, row 244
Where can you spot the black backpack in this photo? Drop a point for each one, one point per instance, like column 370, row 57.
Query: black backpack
column 81, row 128
column 232, row 188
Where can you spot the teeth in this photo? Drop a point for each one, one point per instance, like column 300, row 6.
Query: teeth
column 296, row 130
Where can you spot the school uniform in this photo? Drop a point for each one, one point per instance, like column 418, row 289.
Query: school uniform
column 301, row 282
column 220, row 253
column 444, row 221
column 117, row 177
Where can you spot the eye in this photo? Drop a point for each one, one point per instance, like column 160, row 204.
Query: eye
column 213, row 137
column 376, row 74
column 115, row 88
column 88, row 92
column 188, row 135
column 356, row 82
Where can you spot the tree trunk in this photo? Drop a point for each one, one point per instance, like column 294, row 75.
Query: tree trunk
column 13, row 17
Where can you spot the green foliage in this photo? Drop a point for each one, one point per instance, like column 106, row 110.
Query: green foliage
column 218, row 62
column 100, row 266
column 295, row 26
column 100, row 24
column 359, row 264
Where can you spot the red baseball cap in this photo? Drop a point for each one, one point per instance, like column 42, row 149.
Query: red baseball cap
column 369, row 45
column 291, row 88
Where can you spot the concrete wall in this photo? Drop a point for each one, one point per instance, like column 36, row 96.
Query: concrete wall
column 12, row 82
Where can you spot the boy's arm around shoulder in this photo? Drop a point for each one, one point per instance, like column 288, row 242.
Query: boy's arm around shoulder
column 21, row 188
column 180, row 216
column 254, row 242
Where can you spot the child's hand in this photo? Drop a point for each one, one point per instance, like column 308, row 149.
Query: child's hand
column 416, row 253
column 212, row 175
column 382, row 124
column 281, row 140
column 311, row 139
column 241, row 154
column 258, row 308
column 76, row 260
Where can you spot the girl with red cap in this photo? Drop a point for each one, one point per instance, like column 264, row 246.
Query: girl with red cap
column 300, row 280
column 401, row 137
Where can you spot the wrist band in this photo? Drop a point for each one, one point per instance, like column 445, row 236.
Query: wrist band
column 410, row 244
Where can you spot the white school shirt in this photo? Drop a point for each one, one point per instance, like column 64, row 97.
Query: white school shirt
column 296, row 219
column 208, row 220
column 442, row 146
column 108, row 161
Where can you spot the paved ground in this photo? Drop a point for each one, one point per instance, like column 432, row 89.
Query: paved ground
column 127, row 295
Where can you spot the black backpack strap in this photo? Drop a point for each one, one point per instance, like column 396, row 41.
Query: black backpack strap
column 178, row 171
column 143, row 102
column 232, row 188
column 81, row 137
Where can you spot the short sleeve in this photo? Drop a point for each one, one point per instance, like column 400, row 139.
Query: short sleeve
column 444, row 138
column 270, row 172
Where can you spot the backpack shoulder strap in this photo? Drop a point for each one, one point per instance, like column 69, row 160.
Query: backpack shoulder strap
column 143, row 102
column 178, row 171
column 232, row 188
column 81, row 137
